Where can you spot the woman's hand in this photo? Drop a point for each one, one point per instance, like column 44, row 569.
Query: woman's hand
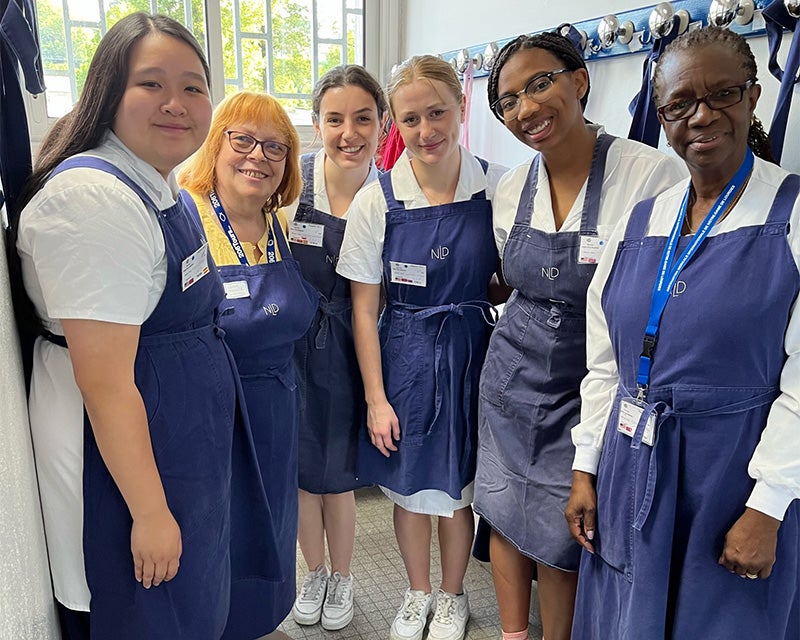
column 750, row 545
column 156, row 547
column 581, row 509
column 383, row 427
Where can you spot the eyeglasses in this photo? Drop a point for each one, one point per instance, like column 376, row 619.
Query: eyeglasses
column 538, row 90
column 716, row 100
column 244, row 143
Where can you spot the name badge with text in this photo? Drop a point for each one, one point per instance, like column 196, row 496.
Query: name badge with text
column 236, row 290
column 415, row 275
column 591, row 249
column 194, row 267
column 306, row 233
column 630, row 411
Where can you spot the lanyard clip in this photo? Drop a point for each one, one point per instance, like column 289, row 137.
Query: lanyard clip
column 641, row 392
column 649, row 346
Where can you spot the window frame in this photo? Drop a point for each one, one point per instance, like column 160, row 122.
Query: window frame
column 381, row 42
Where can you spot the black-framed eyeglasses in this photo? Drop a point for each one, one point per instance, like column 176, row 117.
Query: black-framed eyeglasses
column 245, row 143
column 716, row 100
column 538, row 89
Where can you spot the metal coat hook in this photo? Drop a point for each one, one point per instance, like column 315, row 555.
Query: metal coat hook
column 464, row 59
column 792, row 7
column 490, row 55
column 610, row 30
column 722, row 12
column 661, row 20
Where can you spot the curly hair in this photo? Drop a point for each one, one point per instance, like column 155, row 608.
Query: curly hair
column 552, row 41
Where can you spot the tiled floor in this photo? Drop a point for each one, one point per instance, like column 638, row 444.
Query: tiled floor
column 381, row 581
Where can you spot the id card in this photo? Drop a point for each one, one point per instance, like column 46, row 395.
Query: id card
column 414, row 274
column 629, row 413
column 236, row 290
column 194, row 267
column 306, row 233
column 591, row 249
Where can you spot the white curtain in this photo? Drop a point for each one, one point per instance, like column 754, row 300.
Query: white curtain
column 27, row 609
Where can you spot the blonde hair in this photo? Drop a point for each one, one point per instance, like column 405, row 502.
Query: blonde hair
column 426, row 67
column 256, row 109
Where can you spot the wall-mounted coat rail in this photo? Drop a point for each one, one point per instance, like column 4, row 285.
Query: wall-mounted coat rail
column 635, row 30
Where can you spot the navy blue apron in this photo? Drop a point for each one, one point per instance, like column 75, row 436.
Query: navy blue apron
column 433, row 341
column 331, row 390
column 663, row 511
column 260, row 329
column 187, row 380
column 776, row 17
column 530, row 385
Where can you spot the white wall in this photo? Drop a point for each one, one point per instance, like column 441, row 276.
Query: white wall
column 436, row 27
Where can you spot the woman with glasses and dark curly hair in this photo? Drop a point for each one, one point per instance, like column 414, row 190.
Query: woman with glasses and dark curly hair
column 552, row 217
column 246, row 169
column 687, row 465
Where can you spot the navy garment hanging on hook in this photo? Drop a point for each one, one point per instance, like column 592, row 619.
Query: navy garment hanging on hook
column 19, row 46
column 777, row 18
column 645, row 126
column 573, row 35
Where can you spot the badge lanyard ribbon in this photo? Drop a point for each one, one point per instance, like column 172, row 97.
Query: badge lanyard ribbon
column 668, row 277
column 231, row 234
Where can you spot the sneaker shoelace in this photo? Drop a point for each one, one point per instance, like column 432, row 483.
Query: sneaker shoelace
column 312, row 586
column 412, row 609
column 445, row 608
column 338, row 590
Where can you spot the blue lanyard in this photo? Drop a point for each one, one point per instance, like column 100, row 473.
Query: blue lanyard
column 667, row 278
column 231, row 234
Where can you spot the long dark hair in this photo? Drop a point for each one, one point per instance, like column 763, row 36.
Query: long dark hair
column 757, row 138
column 82, row 129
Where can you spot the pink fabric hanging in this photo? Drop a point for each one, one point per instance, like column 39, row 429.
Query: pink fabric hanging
column 392, row 149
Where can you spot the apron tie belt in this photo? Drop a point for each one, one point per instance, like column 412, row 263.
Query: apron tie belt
column 328, row 309
column 488, row 315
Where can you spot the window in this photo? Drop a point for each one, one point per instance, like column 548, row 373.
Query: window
column 278, row 46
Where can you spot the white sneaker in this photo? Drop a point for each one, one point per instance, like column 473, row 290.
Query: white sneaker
column 308, row 606
column 410, row 621
column 450, row 619
column 337, row 612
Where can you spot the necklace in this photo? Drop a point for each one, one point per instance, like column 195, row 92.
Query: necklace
column 435, row 201
column 693, row 199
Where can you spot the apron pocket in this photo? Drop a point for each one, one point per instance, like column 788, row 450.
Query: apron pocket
column 504, row 355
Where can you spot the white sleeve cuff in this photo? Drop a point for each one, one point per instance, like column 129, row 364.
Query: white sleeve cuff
column 586, row 459
column 771, row 500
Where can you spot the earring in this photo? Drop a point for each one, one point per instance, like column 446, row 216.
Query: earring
column 669, row 144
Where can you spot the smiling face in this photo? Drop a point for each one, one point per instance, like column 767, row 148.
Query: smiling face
column 348, row 124
column 548, row 125
column 429, row 119
column 712, row 142
column 165, row 111
column 249, row 176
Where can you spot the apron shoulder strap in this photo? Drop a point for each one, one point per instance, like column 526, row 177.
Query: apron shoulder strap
column 525, row 205
column 640, row 217
column 786, row 196
column 385, row 180
column 307, row 171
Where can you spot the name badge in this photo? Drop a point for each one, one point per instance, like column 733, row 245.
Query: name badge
column 195, row 267
column 306, row 233
column 591, row 249
column 630, row 411
column 235, row 290
column 414, row 274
